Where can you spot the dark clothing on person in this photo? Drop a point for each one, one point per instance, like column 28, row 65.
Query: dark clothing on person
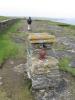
column 29, row 20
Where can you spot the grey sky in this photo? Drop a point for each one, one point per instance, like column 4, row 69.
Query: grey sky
column 38, row 8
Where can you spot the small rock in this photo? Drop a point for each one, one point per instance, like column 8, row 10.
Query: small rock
column 73, row 51
column 65, row 43
column 0, row 78
column 1, row 83
column 12, row 62
column 72, row 64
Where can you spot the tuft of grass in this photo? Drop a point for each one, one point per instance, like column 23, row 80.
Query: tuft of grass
column 64, row 65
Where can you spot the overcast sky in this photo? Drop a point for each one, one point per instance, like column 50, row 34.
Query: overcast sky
column 38, row 8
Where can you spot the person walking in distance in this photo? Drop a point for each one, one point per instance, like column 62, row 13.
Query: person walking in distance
column 29, row 21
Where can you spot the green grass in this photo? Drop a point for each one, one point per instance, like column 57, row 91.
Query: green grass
column 3, row 18
column 66, row 25
column 8, row 48
column 64, row 65
column 63, row 25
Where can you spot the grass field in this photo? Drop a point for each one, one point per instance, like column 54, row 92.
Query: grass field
column 8, row 48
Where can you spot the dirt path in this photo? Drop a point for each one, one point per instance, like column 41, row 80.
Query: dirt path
column 13, row 82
